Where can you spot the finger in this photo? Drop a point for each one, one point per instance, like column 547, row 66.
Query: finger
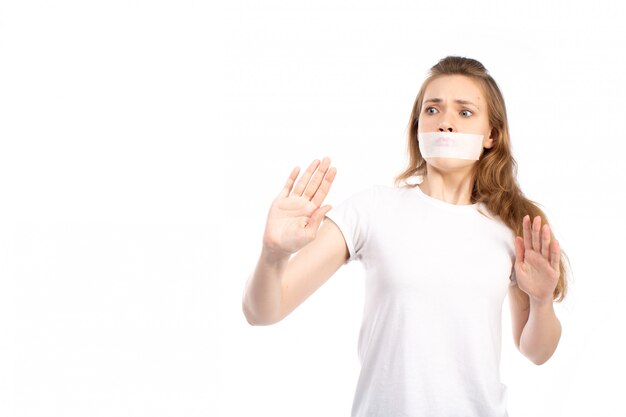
column 526, row 233
column 535, row 235
column 322, row 192
column 316, row 218
column 292, row 178
column 315, row 182
column 555, row 255
column 519, row 249
column 304, row 180
column 545, row 241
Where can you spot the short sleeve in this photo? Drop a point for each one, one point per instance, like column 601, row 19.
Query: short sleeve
column 353, row 217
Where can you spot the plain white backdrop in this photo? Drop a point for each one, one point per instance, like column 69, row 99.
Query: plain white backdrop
column 142, row 143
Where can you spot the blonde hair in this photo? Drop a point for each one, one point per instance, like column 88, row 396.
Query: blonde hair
column 495, row 184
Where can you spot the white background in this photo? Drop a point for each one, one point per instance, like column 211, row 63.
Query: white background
column 142, row 142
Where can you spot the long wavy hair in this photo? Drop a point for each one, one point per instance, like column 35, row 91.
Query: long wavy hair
column 495, row 173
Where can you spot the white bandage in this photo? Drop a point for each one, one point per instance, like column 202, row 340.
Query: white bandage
column 450, row 145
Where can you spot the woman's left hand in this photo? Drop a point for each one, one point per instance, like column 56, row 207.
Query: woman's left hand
column 537, row 261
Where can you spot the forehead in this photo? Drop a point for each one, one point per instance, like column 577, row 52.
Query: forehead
column 452, row 87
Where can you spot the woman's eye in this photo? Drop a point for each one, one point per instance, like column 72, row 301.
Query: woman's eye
column 466, row 113
column 431, row 110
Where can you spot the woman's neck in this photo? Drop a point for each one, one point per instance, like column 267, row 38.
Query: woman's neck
column 449, row 187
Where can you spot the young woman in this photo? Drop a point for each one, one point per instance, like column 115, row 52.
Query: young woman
column 439, row 256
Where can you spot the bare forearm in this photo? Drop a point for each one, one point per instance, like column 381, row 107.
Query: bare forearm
column 261, row 301
column 541, row 333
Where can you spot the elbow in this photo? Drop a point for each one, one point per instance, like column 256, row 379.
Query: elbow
column 538, row 358
column 255, row 322
column 539, row 353
column 249, row 319
column 539, row 361
column 252, row 321
column 255, row 319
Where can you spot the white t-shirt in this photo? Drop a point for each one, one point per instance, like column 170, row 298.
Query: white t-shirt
column 436, row 278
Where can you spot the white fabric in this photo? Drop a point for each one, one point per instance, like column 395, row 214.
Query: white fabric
column 436, row 277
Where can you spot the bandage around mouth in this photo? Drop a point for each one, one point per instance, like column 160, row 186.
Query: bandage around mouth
column 450, row 145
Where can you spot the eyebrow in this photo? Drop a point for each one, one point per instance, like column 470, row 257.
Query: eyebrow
column 458, row 100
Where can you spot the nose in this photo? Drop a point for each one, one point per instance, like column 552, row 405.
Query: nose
column 445, row 124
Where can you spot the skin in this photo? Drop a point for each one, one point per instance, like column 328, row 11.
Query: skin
column 450, row 179
column 536, row 329
column 298, row 255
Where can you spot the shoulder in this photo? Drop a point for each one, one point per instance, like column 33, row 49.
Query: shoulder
column 492, row 218
column 388, row 190
column 371, row 199
column 495, row 226
column 380, row 194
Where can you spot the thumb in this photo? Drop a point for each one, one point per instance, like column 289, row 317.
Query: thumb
column 317, row 216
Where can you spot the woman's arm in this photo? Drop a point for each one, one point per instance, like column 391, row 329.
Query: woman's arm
column 536, row 329
column 280, row 281
column 279, row 285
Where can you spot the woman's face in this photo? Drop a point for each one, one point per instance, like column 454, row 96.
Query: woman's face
column 455, row 103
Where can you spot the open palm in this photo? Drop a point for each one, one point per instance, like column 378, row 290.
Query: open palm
column 295, row 214
column 537, row 260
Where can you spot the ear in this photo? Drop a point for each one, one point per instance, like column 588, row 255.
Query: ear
column 492, row 139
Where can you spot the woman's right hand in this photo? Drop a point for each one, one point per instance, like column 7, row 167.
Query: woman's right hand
column 295, row 214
